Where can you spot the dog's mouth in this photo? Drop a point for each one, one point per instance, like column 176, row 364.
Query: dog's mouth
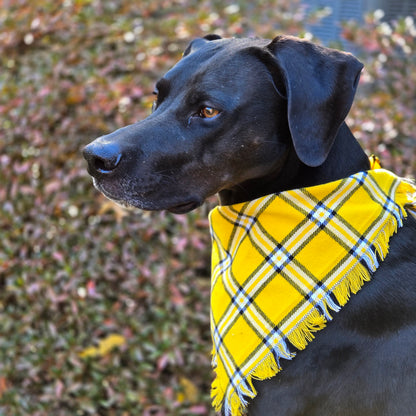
column 184, row 207
column 149, row 205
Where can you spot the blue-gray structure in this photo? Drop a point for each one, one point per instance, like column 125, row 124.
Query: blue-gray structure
column 328, row 29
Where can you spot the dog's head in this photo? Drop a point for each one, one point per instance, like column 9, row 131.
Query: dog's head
column 230, row 111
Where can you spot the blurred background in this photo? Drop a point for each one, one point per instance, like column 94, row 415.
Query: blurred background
column 104, row 312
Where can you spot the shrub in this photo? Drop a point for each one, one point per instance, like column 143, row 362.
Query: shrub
column 384, row 116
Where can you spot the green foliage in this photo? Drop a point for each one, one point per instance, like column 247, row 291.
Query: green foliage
column 384, row 115
column 74, row 270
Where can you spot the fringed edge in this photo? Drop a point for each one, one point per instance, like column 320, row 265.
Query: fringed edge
column 235, row 402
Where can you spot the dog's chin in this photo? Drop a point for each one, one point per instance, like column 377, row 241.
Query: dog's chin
column 175, row 207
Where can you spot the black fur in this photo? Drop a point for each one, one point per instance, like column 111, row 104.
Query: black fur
column 280, row 125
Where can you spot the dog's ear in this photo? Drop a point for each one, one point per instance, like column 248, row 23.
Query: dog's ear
column 319, row 84
column 197, row 43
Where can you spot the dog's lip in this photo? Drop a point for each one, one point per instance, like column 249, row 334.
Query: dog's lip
column 184, row 207
column 111, row 197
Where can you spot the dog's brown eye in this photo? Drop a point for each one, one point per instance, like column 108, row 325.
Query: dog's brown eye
column 208, row 112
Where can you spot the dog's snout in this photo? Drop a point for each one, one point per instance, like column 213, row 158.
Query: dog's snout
column 102, row 157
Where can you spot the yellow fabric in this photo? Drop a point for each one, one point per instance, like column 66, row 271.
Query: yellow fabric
column 282, row 263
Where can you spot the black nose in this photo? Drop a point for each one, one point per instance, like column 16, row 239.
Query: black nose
column 102, row 156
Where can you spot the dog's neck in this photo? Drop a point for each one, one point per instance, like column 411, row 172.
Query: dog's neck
column 345, row 158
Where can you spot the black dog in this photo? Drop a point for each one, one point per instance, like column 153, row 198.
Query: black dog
column 245, row 118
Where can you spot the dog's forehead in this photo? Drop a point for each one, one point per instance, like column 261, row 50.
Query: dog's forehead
column 211, row 58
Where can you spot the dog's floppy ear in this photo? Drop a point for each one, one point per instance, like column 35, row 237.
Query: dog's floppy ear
column 320, row 85
column 197, row 43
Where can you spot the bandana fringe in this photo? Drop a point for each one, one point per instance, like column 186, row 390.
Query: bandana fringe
column 233, row 400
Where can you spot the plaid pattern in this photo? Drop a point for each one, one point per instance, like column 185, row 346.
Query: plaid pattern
column 282, row 263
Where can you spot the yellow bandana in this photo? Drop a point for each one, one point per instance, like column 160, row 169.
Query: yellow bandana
column 282, row 262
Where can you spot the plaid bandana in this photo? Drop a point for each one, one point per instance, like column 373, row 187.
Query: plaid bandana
column 282, row 263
